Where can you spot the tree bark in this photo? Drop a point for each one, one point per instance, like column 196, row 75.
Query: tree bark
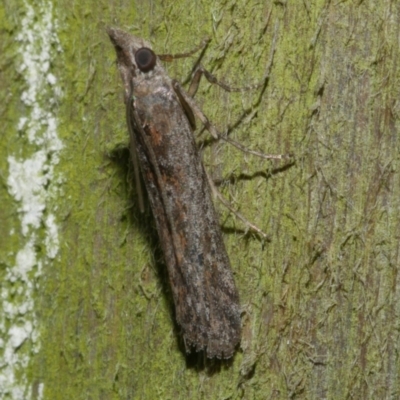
column 87, row 308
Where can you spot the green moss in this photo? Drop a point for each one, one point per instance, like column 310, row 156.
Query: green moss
column 319, row 299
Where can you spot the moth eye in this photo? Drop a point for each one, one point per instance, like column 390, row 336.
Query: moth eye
column 145, row 59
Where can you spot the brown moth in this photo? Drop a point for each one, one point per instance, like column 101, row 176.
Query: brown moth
column 160, row 120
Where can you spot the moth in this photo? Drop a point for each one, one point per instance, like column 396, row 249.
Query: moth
column 159, row 115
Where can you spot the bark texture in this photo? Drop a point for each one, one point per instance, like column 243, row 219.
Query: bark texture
column 320, row 300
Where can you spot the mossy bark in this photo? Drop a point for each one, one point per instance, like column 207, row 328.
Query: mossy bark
column 320, row 299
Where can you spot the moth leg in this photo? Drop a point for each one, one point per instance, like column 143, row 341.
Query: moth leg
column 170, row 57
column 186, row 99
column 200, row 70
column 229, row 206
column 213, row 130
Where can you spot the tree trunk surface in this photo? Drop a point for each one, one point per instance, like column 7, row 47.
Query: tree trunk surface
column 87, row 308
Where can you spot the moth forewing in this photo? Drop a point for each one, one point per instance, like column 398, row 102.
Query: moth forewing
column 201, row 280
column 134, row 155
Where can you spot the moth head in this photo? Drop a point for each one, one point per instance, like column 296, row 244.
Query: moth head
column 134, row 56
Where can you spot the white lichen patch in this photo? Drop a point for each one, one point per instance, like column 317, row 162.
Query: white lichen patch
column 32, row 181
